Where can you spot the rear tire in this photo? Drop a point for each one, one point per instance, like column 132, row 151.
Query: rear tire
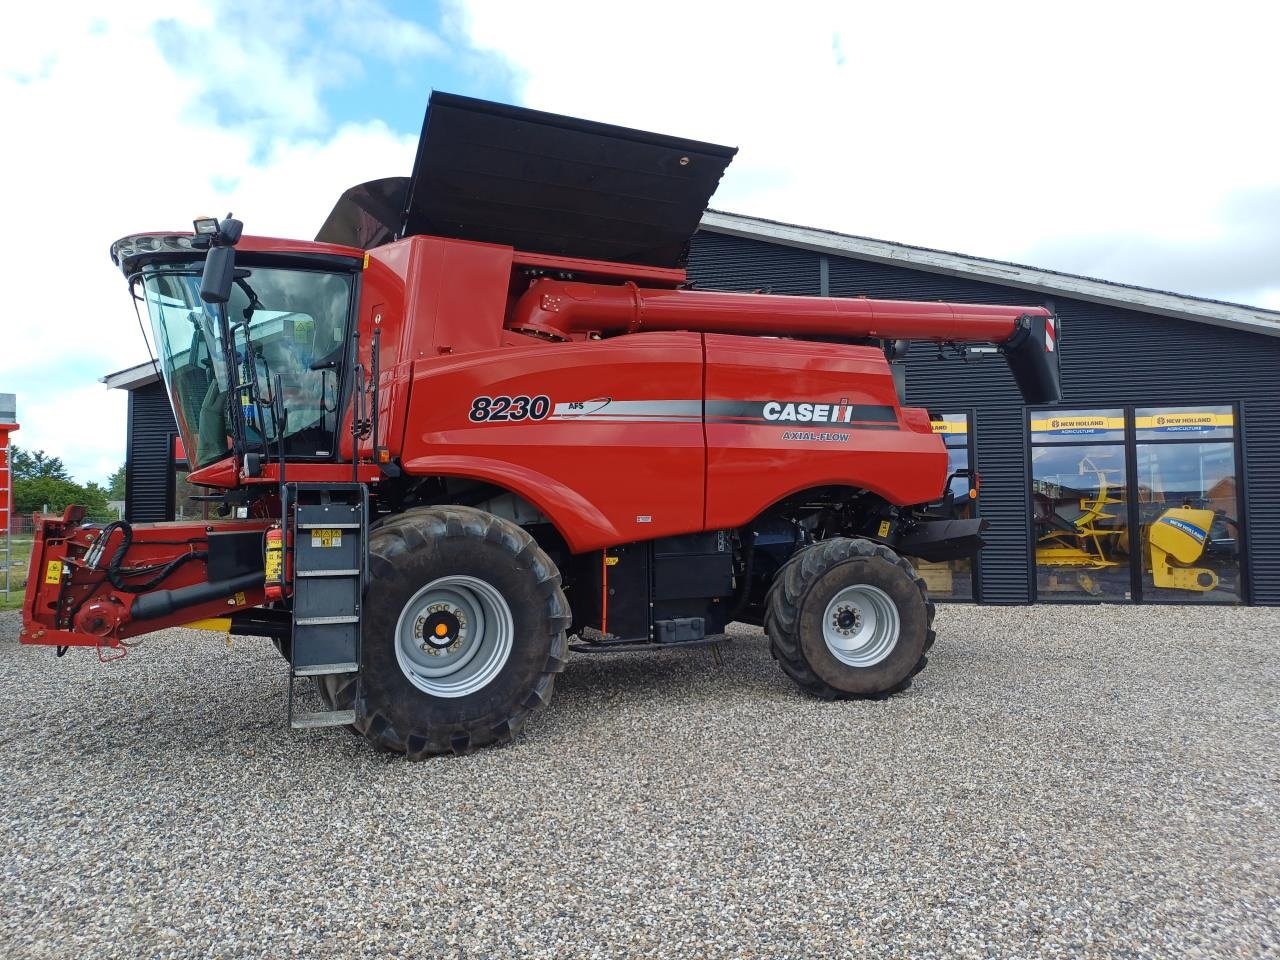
column 496, row 598
column 849, row 618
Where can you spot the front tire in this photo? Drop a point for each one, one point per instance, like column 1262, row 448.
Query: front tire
column 849, row 618
column 463, row 635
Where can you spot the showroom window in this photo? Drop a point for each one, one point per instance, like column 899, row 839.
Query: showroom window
column 1136, row 503
column 1188, row 503
column 1079, row 512
column 954, row 579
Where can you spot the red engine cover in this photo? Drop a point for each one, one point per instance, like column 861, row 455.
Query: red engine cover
column 655, row 434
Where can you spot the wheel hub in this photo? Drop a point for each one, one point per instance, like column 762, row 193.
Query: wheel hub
column 861, row 625
column 454, row 636
column 847, row 620
column 441, row 628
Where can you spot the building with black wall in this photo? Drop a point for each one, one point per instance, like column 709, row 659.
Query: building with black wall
column 1171, row 404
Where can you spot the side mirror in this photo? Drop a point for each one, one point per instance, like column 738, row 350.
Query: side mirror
column 219, row 274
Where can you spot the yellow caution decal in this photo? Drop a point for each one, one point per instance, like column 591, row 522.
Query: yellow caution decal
column 326, row 538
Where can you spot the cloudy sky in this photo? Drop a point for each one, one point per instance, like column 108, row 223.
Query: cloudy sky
column 1132, row 142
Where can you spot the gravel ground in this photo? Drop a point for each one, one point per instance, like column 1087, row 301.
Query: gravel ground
column 1060, row 782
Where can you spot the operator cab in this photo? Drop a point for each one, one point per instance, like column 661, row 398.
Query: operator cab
column 268, row 368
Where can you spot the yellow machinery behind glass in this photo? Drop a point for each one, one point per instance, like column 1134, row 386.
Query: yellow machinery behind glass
column 1085, row 541
column 1177, row 540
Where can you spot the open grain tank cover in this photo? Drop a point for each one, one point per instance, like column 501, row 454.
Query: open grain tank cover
column 544, row 183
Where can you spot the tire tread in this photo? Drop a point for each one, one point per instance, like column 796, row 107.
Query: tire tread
column 417, row 527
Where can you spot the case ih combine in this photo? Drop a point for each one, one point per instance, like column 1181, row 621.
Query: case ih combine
column 483, row 413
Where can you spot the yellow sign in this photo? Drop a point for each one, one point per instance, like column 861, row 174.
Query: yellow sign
column 275, row 565
column 1175, row 422
column 610, row 561
column 884, row 528
column 53, row 572
column 947, row 426
column 326, row 538
column 1082, row 425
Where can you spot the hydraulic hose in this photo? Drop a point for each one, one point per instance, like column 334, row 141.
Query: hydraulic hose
column 116, row 574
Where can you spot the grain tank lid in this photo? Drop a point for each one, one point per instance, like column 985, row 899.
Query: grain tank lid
column 545, row 183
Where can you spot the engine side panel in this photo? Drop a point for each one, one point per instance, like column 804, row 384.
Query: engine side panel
column 605, row 437
column 787, row 415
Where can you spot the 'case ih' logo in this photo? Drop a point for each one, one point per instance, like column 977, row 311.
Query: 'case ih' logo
column 842, row 412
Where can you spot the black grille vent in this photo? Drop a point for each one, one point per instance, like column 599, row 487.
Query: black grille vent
column 148, row 492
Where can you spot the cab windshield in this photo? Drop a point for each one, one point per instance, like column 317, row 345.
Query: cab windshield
column 287, row 334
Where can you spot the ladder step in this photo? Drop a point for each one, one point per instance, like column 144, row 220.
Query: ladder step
column 317, row 621
column 325, row 669
column 322, row 718
column 328, row 525
column 326, row 573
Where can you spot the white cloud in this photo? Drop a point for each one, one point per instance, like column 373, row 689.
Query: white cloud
column 993, row 129
column 114, row 140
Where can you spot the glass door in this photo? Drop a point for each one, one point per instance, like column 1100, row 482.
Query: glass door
column 954, row 579
column 1078, row 496
column 1188, row 503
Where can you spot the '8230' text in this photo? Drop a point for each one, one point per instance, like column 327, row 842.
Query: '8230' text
column 493, row 409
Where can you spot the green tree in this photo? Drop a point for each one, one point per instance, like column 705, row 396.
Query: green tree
column 41, row 481
column 31, row 494
column 33, row 465
column 115, row 485
column 94, row 499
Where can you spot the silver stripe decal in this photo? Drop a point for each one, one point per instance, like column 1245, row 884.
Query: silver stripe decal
column 606, row 408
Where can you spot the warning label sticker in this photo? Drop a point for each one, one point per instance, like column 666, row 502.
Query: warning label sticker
column 326, row 538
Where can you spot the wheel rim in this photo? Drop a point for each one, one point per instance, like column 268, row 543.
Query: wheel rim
column 861, row 625
column 454, row 636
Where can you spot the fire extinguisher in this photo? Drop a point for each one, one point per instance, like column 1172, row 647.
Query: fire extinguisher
column 274, row 564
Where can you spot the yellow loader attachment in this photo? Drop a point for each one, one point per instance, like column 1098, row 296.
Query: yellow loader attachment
column 1177, row 540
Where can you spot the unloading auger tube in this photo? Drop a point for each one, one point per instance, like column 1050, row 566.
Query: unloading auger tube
column 1025, row 334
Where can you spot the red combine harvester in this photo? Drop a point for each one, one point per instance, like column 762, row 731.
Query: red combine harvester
column 483, row 413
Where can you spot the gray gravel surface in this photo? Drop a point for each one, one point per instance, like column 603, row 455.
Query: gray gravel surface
column 1060, row 782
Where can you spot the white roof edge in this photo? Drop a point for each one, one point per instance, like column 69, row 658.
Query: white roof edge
column 132, row 377
column 1233, row 316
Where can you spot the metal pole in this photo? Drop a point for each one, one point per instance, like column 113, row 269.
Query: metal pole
column 6, row 500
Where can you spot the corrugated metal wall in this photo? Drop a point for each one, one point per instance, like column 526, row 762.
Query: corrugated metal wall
column 1109, row 356
column 148, row 495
